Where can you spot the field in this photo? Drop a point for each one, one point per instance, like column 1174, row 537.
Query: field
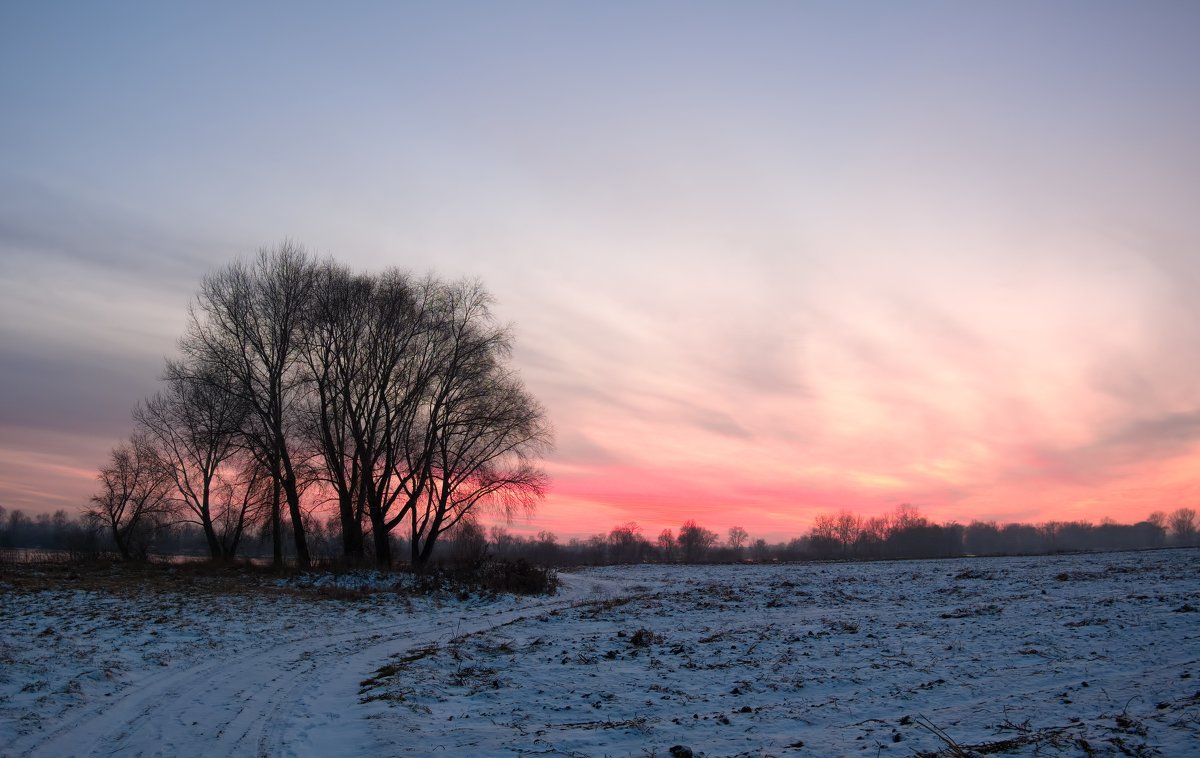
column 1066, row 655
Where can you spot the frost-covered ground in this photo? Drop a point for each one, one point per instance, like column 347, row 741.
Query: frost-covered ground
column 1073, row 655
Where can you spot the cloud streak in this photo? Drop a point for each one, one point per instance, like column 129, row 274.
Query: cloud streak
column 776, row 262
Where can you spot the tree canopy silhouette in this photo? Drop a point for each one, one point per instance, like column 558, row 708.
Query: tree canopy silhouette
column 387, row 397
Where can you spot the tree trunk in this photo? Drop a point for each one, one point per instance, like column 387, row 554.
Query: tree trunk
column 122, row 544
column 426, row 552
column 215, row 551
column 276, row 527
column 414, row 543
column 379, row 533
column 435, row 529
column 230, row 550
column 293, row 501
column 352, row 532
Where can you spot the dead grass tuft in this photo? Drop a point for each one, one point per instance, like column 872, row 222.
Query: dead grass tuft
column 644, row 638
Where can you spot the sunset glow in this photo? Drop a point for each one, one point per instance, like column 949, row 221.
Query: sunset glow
column 762, row 261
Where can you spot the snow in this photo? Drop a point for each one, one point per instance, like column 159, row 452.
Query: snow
column 1071, row 655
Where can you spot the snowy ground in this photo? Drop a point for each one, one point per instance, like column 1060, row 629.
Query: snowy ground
column 1075, row 655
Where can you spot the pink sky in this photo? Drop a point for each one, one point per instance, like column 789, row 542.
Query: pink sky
column 762, row 262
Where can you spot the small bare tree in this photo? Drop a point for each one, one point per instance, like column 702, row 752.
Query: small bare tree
column 760, row 551
column 134, row 495
column 666, row 545
column 737, row 539
column 468, row 544
column 694, row 541
column 241, row 500
column 545, row 548
column 907, row 516
column 626, row 544
column 1183, row 526
column 195, row 425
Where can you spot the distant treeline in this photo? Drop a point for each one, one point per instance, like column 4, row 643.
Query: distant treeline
column 902, row 534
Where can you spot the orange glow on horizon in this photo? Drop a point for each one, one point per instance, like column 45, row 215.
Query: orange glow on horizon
column 592, row 501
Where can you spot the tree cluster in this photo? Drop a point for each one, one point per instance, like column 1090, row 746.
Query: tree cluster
column 302, row 386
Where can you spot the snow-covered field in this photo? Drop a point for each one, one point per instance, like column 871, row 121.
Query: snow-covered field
column 1073, row 655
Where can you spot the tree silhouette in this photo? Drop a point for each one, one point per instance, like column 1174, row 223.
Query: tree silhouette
column 134, row 493
column 195, row 425
column 390, row 396
column 1183, row 526
column 694, row 541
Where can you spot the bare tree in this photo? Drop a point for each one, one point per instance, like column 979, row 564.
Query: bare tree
column 626, row 543
column 824, row 527
column 907, row 516
column 242, row 498
column 135, row 490
column 910, row 533
column 759, row 550
column 334, row 352
column 195, row 425
column 823, row 536
column 483, row 432
column 395, row 436
column 666, row 545
column 468, row 544
column 546, row 548
column 245, row 330
column 737, row 539
column 1183, row 526
column 694, row 541
column 373, row 345
column 873, row 534
column 484, row 455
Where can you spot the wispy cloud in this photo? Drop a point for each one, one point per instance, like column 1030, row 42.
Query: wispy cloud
column 822, row 269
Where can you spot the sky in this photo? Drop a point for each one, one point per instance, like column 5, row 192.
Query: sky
column 763, row 260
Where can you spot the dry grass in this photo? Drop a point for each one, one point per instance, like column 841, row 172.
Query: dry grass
column 201, row 578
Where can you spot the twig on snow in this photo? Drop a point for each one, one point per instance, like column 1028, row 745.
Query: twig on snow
column 955, row 749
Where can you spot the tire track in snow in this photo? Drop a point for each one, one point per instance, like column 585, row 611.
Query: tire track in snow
column 294, row 698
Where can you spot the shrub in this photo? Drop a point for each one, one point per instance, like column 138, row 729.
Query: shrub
column 518, row 577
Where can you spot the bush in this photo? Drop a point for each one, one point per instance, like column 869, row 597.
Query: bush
column 468, row 546
column 518, row 577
